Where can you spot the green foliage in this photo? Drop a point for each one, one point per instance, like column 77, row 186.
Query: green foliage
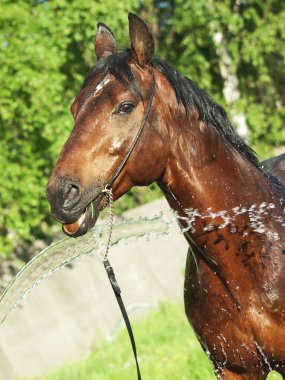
column 46, row 49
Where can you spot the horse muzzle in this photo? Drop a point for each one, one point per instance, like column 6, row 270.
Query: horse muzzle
column 71, row 208
column 86, row 220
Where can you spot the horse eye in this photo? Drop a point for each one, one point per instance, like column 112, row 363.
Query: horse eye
column 125, row 108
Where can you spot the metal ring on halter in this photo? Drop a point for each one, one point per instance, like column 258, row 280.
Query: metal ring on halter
column 107, row 189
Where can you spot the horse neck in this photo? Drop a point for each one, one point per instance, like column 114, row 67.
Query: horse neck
column 203, row 171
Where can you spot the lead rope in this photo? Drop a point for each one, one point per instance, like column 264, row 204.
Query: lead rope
column 112, row 278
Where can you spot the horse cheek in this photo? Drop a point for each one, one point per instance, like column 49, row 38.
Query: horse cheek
column 149, row 169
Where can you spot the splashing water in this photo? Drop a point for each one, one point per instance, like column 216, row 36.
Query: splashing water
column 257, row 214
column 66, row 250
column 94, row 242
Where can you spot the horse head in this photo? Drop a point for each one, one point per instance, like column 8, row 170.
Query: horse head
column 117, row 100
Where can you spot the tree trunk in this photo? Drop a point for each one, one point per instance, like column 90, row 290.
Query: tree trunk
column 231, row 88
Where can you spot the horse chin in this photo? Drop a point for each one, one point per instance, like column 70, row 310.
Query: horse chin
column 86, row 220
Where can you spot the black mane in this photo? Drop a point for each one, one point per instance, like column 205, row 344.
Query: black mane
column 187, row 92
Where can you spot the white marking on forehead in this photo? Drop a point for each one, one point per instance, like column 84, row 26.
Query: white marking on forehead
column 101, row 85
column 98, row 88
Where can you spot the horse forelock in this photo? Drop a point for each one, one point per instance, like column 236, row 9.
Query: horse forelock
column 118, row 66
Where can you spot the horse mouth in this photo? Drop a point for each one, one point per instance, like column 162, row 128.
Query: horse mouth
column 87, row 219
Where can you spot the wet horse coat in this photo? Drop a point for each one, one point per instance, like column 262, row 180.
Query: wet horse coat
column 234, row 282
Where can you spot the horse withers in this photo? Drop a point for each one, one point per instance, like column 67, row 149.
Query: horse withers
column 137, row 121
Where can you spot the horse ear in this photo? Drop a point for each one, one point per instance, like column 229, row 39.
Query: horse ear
column 104, row 43
column 142, row 48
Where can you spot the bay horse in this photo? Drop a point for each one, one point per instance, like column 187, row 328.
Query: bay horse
column 138, row 121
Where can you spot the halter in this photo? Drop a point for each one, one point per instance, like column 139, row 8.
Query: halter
column 109, row 193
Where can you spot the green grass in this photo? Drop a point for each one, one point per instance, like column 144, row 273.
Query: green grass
column 167, row 350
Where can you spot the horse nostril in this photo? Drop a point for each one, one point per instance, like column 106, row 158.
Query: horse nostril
column 72, row 195
column 72, row 192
